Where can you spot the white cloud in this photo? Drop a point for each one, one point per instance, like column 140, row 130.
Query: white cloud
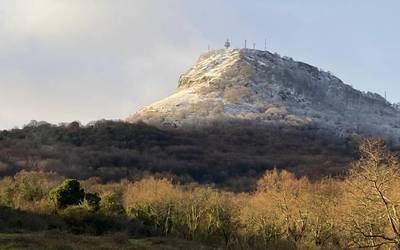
column 47, row 17
column 62, row 60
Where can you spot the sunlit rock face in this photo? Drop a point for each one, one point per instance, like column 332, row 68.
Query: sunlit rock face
column 266, row 89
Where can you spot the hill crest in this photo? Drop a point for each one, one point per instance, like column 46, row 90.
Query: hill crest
column 261, row 87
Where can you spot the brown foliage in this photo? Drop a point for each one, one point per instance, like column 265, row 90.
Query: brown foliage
column 285, row 212
column 371, row 202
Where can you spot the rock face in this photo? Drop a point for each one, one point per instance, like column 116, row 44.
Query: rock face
column 265, row 88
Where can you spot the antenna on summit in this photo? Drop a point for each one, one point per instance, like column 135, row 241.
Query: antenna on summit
column 227, row 44
column 265, row 44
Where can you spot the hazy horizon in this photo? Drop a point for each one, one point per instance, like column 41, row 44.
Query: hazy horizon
column 66, row 60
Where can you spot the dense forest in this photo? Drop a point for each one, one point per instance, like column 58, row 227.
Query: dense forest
column 227, row 155
column 359, row 210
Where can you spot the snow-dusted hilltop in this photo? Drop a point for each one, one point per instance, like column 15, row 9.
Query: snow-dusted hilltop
column 265, row 88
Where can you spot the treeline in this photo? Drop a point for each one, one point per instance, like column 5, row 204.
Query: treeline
column 229, row 155
column 360, row 210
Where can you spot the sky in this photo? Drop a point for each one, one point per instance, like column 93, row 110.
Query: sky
column 67, row 60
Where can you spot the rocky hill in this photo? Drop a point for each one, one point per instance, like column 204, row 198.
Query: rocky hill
column 265, row 88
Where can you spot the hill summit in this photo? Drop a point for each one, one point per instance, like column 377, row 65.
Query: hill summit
column 264, row 88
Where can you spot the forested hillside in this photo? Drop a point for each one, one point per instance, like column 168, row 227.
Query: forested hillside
column 232, row 155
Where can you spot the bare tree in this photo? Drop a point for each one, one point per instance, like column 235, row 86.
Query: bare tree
column 372, row 199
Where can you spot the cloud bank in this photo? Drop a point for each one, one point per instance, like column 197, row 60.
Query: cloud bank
column 65, row 60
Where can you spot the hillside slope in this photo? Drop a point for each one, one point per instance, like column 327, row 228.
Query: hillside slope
column 230, row 156
column 267, row 89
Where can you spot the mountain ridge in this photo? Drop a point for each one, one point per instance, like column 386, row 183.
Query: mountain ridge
column 265, row 88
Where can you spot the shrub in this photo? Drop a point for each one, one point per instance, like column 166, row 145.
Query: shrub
column 153, row 203
column 12, row 220
column 7, row 192
column 111, row 205
column 68, row 193
column 81, row 220
column 27, row 190
column 92, row 201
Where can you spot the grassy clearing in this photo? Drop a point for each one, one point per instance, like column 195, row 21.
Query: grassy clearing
column 64, row 241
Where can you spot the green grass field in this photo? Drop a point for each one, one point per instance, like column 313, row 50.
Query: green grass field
column 64, row 241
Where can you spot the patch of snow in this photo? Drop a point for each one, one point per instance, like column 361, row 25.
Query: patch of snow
column 308, row 95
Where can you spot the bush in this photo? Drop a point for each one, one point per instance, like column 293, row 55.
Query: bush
column 7, row 192
column 81, row 220
column 92, row 201
column 68, row 193
column 152, row 202
column 28, row 190
column 111, row 205
column 12, row 220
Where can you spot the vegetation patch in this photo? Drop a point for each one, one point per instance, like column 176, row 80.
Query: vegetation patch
column 229, row 155
column 359, row 210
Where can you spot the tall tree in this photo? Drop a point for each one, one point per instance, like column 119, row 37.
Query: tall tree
column 372, row 199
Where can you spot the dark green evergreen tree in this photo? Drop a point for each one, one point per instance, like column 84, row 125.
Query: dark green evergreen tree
column 69, row 192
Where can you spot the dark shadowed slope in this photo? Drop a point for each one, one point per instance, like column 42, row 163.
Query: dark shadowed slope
column 232, row 155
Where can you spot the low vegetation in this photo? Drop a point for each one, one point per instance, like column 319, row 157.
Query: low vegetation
column 359, row 210
column 51, row 241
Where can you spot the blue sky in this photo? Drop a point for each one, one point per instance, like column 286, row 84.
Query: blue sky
column 65, row 60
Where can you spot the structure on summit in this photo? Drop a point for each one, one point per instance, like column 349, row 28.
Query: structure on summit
column 227, row 44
